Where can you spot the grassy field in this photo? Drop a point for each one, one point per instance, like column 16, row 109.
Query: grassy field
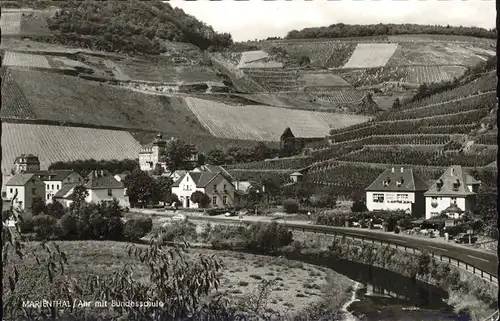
column 57, row 143
column 296, row 287
column 264, row 122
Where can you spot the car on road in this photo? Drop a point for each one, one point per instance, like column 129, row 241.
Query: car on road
column 355, row 224
column 465, row 238
column 378, row 226
column 179, row 217
column 228, row 214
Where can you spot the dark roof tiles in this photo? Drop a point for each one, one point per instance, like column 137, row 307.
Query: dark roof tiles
column 398, row 179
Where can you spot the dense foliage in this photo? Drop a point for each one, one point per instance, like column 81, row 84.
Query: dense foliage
column 131, row 26
column 84, row 167
column 235, row 155
column 143, row 189
column 341, row 30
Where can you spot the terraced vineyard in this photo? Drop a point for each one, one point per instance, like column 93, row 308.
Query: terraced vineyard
column 277, row 164
column 265, row 123
column 276, row 80
column 321, row 53
column 403, row 155
column 323, row 80
column 340, row 96
column 483, row 84
column 58, row 143
column 25, row 60
column 10, row 23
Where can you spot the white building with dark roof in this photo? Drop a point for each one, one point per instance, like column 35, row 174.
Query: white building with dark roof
column 55, row 179
column 397, row 188
column 27, row 186
column 149, row 156
column 456, row 187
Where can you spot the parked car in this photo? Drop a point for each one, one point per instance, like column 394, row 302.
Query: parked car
column 228, row 214
column 355, row 224
column 379, row 226
column 465, row 238
column 179, row 217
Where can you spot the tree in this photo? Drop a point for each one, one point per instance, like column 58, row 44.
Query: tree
column 158, row 170
column 290, row 206
column 200, row 198
column 55, row 209
column 139, row 187
column 177, row 153
column 78, row 197
column 38, row 206
column 216, row 157
column 253, row 198
column 162, row 188
column 302, row 194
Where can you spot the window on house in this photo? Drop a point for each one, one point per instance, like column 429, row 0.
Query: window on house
column 187, row 178
column 52, row 186
column 390, row 198
column 378, row 198
column 215, row 187
column 224, row 200
column 224, row 186
column 48, row 196
column 214, row 200
column 434, row 213
column 11, row 191
column 33, row 191
column 434, row 198
column 402, row 198
column 57, row 186
column 110, row 192
column 4, row 194
column 453, row 200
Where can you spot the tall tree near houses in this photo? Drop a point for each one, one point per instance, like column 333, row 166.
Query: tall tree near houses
column 200, row 198
column 216, row 157
column 80, row 193
column 177, row 154
column 139, row 187
column 162, row 189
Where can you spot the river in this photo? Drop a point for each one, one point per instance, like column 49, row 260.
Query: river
column 386, row 295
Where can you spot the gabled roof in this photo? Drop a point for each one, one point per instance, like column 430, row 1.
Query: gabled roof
column 410, row 182
column 21, row 179
column 454, row 174
column 65, row 192
column 287, row 133
column 180, row 172
column 54, row 175
column 214, row 168
column 101, row 180
column 201, row 179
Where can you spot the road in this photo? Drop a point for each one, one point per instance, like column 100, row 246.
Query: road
column 480, row 259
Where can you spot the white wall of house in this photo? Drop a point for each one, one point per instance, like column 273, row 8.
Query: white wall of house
column 51, row 188
column 392, row 201
column 98, row 195
column 214, row 190
column 443, row 202
column 21, row 192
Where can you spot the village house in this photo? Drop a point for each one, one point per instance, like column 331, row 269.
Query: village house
column 219, row 189
column 101, row 187
column 54, row 180
column 454, row 187
column 27, row 186
column 26, row 163
column 397, row 189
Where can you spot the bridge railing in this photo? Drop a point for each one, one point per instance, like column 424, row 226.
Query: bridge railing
column 442, row 258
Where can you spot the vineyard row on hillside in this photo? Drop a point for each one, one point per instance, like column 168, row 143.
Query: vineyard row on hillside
column 285, row 164
column 470, row 103
column 412, row 126
column 406, row 156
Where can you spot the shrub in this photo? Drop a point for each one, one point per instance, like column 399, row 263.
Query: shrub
column 68, row 226
column 6, row 215
column 200, row 198
column 358, row 206
column 55, row 209
column 115, row 229
column 135, row 229
column 268, row 238
column 45, row 226
column 184, row 230
column 26, row 226
column 290, row 206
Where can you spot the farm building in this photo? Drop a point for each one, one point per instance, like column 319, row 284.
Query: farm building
column 291, row 145
column 54, row 180
column 219, row 189
column 27, row 186
column 454, row 187
column 101, row 187
column 397, row 189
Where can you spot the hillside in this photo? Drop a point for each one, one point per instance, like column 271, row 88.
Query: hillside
column 454, row 127
column 60, row 143
column 132, row 26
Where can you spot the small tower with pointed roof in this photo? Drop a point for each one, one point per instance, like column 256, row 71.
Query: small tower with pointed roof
column 150, row 154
